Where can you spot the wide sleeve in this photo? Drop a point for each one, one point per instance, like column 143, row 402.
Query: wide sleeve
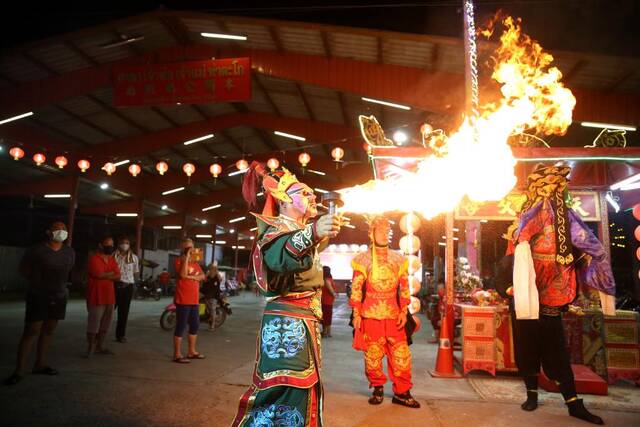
column 355, row 300
column 594, row 269
column 291, row 252
column 403, row 283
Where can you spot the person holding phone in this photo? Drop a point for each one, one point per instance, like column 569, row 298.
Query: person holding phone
column 189, row 275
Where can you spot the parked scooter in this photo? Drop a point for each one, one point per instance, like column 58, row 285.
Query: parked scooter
column 223, row 309
column 148, row 288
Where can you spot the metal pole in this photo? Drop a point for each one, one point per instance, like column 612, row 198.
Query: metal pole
column 73, row 204
column 139, row 224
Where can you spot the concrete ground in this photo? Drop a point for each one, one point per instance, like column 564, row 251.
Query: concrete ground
column 139, row 386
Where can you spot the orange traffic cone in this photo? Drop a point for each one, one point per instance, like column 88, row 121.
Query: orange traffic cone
column 444, row 361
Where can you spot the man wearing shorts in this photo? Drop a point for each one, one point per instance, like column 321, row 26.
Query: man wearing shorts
column 46, row 266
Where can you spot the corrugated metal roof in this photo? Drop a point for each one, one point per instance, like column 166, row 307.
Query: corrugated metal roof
column 59, row 58
column 300, row 40
column 354, row 46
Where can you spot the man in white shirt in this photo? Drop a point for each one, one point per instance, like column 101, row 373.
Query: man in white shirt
column 129, row 274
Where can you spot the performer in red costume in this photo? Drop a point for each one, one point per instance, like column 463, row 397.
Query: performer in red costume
column 380, row 299
column 554, row 252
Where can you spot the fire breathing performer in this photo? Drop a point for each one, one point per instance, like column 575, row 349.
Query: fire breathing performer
column 554, row 252
column 380, row 300
column 286, row 388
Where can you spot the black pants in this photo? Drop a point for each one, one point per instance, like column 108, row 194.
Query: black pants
column 124, row 292
column 541, row 343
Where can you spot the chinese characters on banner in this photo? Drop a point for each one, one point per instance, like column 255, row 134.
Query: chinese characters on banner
column 194, row 82
column 585, row 203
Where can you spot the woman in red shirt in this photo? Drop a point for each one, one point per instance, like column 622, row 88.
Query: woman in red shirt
column 103, row 271
column 189, row 275
column 328, row 296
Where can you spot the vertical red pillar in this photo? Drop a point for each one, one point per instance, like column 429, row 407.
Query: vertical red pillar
column 73, row 204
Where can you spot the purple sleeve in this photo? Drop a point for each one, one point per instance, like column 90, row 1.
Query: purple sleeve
column 596, row 273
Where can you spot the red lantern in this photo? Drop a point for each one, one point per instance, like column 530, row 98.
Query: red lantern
column 189, row 169
column 637, row 233
column 134, row 169
column 17, row 153
column 39, row 158
column 273, row 164
column 109, row 168
column 242, row 164
column 638, row 254
column 215, row 170
column 61, row 161
column 304, row 159
column 636, row 211
column 162, row 167
column 337, row 154
column 83, row 165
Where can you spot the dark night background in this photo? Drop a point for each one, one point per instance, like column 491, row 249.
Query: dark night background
column 598, row 26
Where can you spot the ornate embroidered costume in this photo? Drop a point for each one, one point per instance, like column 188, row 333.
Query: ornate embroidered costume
column 286, row 389
column 554, row 252
column 379, row 294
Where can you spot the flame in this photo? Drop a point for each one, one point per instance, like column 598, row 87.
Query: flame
column 481, row 165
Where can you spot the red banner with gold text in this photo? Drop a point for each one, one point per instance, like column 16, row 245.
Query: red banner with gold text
column 194, row 82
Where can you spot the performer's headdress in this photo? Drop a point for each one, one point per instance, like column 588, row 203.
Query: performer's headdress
column 550, row 182
column 275, row 185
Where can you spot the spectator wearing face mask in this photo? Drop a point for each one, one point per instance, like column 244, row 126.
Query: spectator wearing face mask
column 46, row 266
column 129, row 273
column 103, row 271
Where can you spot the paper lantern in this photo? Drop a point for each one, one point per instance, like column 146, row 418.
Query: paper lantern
column 304, row 159
column 414, row 305
column 636, row 211
column 215, row 170
column 162, row 167
column 61, row 161
column 410, row 223
column 273, row 163
column 413, row 263
column 409, row 244
column 637, row 233
column 39, row 158
column 337, row 154
column 638, row 253
column 109, row 168
column 242, row 164
column 134, row 169
column 414, row 285
column 189, row 169
column 17, row 153
column 418, row 324
column 83, row 165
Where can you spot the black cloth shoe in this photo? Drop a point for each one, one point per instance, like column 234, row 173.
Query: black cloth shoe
column 377, row 396
column 405, row 399
column 14, row 379
column 577, row 409
column 531, row 404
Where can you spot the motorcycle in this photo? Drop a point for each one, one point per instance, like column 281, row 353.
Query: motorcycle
column 148, row 288
column 222, row 310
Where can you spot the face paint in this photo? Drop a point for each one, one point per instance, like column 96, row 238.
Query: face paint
column 303, row 200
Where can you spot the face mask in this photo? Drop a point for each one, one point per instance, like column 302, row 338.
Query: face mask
column 124, row 247
column 59, row 235
column 108, row 250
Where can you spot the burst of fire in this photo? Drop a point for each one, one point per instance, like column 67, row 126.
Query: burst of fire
column 481, row 168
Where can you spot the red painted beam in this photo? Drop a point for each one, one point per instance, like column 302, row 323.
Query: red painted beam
column 314, row 131
column 432, row 91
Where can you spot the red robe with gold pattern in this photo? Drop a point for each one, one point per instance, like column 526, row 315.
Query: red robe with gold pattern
column 379, row 293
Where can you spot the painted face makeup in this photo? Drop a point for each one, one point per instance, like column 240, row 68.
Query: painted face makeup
column 303, row 200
